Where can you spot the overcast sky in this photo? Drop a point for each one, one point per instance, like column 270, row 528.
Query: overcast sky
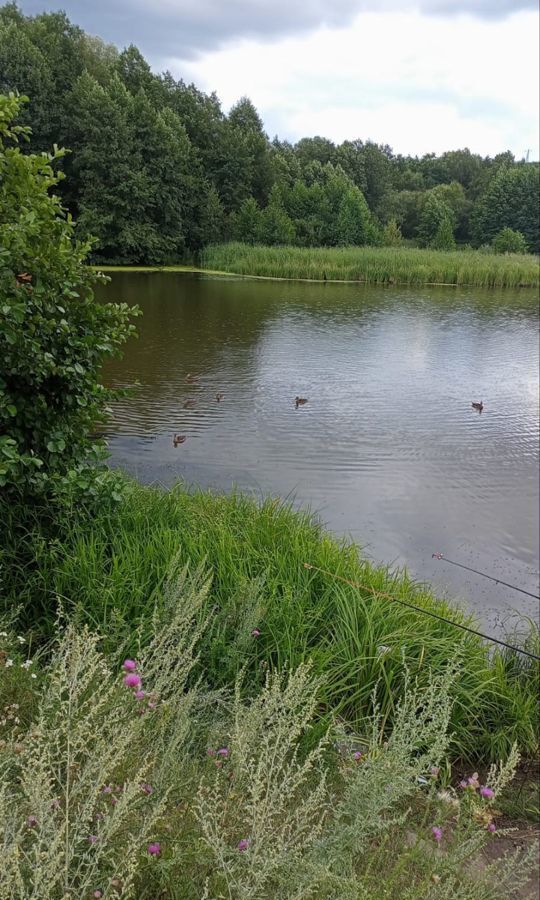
column 422, row 76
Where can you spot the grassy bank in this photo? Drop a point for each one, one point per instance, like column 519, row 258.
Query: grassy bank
column 109, row 568
column 375, row 265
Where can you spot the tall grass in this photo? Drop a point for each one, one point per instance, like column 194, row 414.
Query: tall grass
column 375, row 265
column 110, row 567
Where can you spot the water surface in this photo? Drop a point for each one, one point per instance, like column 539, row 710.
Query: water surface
column 388, row 449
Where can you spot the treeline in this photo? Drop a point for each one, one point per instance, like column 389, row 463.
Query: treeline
column 158, row 170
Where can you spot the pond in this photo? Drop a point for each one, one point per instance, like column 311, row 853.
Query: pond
column 388, row 449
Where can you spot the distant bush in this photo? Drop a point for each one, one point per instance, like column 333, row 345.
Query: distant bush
column 509, row 241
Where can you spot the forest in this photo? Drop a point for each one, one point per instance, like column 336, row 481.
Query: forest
column 157, row 170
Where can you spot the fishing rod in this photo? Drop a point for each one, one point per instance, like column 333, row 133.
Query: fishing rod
column 426, row 612
column 483, row 574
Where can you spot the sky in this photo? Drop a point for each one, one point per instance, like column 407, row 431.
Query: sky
column 420, row 75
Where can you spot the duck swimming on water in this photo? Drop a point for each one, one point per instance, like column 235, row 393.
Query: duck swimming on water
column 178, row 439
column 479, row 406
column 300, row 401
column 219, row 397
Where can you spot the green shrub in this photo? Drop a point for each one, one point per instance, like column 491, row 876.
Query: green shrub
column 509, row 241
column 54, row 337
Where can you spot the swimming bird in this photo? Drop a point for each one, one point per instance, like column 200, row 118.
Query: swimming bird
column 178, row 439
column 220, row 397
column 191, row 378
column 300, row 401
column 478, row 406
column 190, row 404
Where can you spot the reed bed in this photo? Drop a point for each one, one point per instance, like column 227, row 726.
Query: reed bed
column 375, row 265
column 272, row 613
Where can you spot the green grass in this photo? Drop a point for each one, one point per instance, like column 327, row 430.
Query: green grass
column 109, row 567
column 375, row 265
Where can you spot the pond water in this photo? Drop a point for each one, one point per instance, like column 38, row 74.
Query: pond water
column 387, row 450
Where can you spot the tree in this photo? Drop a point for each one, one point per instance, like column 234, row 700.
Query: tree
column 511, row 201
column 391, row 236
column 444, row 236
column 354, row 219
column 54, row 336
column 247, row 222
column 276, row 227
column 435, row 214
column 509, row 241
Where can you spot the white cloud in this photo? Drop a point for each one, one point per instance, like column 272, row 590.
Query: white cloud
column 416, row 82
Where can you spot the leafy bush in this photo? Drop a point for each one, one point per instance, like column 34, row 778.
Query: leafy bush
column 130, row 780
column 54, row 337
column 509, row 241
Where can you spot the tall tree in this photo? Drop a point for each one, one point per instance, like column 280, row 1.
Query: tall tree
column 511, row 201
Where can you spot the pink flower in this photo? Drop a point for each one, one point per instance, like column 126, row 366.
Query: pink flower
column 358, row 755
column 464, row 784
column 154, row 849
column 152, row 704
column 224, row 751
column 147, row 788
column 492, row 827
column 31, row 821
column 472, row 781
column 107, row 789
column 130, row 665
column 437, row 833
column 243, row 844
column 255, row 632
column 486, row 792
column 92, row 838
column 139, row 695
column 132, row 680
column 210, row 752
column 97, row 893
column 435, row 771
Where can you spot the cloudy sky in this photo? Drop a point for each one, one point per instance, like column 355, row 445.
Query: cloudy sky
column 420, row 75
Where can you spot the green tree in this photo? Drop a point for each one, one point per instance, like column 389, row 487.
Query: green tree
column 354, row 225
column 435, row 213
column 509, row 241
column 247, row 222
column 54, row 336
column 443, row 238
column 276, row 227
column 511, row 201
column 391, row 236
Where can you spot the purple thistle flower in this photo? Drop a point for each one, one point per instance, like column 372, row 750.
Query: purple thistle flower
column 243, row 844
column 92, row 838
column 132, row 680
column 223, row 751
column 97, row 894
column 139, row 695
column 154, row 849
column 147, row 788
column 464, row 784
column 437, row 833
column 31, row 821
column 358, row 755
column 492, row 827
column 486, row 792
column 130, row 665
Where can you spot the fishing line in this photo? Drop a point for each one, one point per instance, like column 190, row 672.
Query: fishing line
column 491, row 577
column 426, row 612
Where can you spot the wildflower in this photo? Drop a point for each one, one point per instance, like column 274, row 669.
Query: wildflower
column 486, row 792
column 92, row 838
column 255, row 632
column 31, row 821
column 27, row 664
column 20, row 639
column 147, row 789
column 33, row 675
column 437, row 833
column 3, row 634
column 464, row 784
column 97, row 893
column 130, row 665
column 435, row 771
column 358, row 755
column 107, row 789
column 243, row 844
column 8, row 663
column 154, row 849
column 435, row 878
column 223, row 751
column 210, row 752
column 139, row 695
column 492, row 827
column 152, row 704
column 473, row 782
column 132, row 680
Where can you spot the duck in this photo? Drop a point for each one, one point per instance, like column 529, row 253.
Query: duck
column 220, row 397
column 191, row 378
column 190, row 404
column 178, row 439
column 300, row 401
column 478, row 406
